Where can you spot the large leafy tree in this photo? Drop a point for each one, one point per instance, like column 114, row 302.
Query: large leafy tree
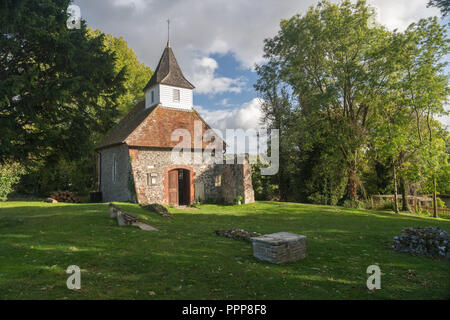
column 332, row 61
column 136, row 74
column 426, row 91
column 52, row 80
column 61, row 91
column 277, row 110
column 351, row 97
column 405, row 133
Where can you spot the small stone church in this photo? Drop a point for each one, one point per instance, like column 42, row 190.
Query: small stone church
column 134, row 159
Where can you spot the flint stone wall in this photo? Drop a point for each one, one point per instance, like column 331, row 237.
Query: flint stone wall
column 117, row 190
column 158, row 162
column 136, row 165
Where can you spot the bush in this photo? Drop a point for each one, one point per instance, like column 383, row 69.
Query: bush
column 423, row 213
column 385, row 204
column 318, row 198
column 238, row 200
column 9, row 176
column 74, row 175
column 440, row 203
column 354, row 204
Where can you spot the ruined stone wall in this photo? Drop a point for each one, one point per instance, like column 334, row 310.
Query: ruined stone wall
column 249, row 193
column 237, row 181
column 153, row 162
column 117, row 190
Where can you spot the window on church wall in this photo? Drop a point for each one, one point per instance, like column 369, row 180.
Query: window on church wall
column 176, row 95
column 153, row 96
column 152, row 179
column 114, row 167
column 218, row 180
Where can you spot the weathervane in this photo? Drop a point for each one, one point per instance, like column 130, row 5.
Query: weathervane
column 168, row 32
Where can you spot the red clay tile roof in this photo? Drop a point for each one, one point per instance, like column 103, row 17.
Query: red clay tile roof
column 153, row 127
column 126, row 126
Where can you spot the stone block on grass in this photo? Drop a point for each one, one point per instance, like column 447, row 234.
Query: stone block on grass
column 280, row 247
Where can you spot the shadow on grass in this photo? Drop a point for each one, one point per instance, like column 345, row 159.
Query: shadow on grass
column 186, row 260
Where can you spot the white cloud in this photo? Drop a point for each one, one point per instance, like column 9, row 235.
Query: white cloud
column 225, row 103
column 445, row 119
column 203, row 75
column 134, row 4
column 200, row 28
column 247, row 116
column 400, row 14
column 217, row 119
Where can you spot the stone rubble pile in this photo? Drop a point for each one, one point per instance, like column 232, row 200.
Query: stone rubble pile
column 158, row 208
column 430, row 241
column 237, row 234
column 64, row 196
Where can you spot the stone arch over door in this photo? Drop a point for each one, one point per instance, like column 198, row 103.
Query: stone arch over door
column 190, row 187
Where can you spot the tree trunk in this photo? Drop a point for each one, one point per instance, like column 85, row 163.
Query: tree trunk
column 405, row 206
column 352, row 183
column 395, row 191
column 283, row 179
column 435, row 213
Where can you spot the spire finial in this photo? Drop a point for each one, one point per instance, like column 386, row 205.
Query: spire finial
column 168, row 33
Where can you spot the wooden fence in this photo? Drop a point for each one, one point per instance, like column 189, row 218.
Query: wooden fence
column 416, row 203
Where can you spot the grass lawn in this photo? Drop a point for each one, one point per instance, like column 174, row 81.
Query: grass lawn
column 186, row 260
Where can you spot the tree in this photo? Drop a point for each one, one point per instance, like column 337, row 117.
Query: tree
column 277, row 115
column 351, row 98
column 59, row 86
column 51, row 81
column 427, row 86
column 136, row 74
column 332, row 61
column 9, row 176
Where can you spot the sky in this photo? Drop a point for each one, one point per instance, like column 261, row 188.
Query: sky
column 217, row 43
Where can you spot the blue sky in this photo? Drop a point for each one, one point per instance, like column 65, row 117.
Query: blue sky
column 229, row 67
column 217, row 43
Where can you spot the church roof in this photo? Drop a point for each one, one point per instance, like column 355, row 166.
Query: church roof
column 153, row 127
column 169, row 72
column 126, row 126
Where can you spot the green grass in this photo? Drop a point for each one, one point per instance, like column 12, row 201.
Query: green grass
column 186, row 260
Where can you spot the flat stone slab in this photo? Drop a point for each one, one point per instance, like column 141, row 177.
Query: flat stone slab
column 278, row 238
column 144, row 226
column 280, row 247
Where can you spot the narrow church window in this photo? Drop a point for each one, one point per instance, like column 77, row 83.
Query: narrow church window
column 153, row 96
column 218, row 180
column 114, row 168
column 176, row 95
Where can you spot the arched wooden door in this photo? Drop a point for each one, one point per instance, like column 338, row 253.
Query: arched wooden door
column 173, row 187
